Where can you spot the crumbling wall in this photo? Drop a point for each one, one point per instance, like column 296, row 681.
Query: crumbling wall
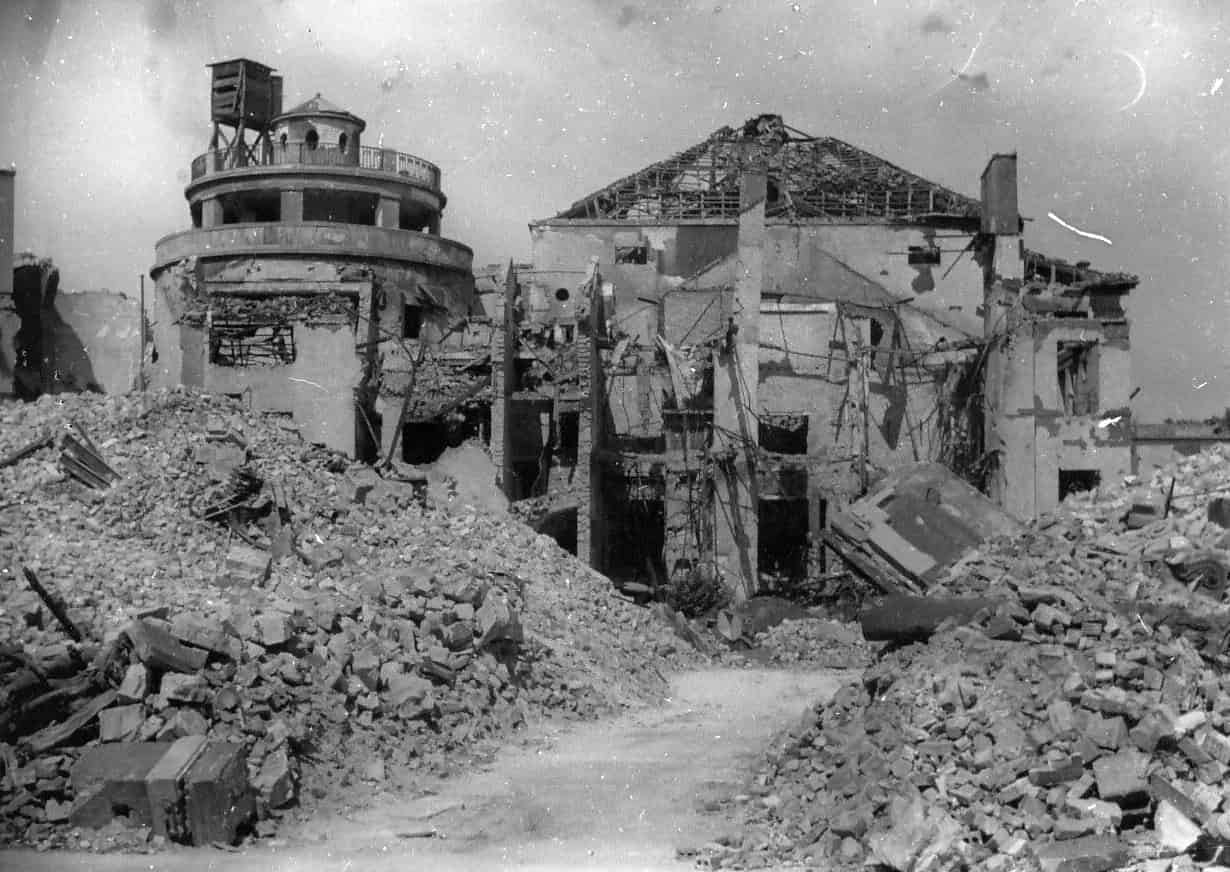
column 52, row 342
column 97, row 338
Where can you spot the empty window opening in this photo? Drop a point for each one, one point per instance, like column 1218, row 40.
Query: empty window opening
column 567, row 437
column 920, row 255
column 784, row 434
column 343, row 207
column 562, row 294
column 1077, row 367
column 423, row 441
column 783, row 541
column 877, row 332
column 1074, row 481
column 251, row 207
column 411, row 321
column 341, row 142
column 638, row 253
column 312, row 139
column 196, row 209
column 251, row 344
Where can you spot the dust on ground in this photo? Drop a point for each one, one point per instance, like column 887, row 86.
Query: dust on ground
column 621, row 794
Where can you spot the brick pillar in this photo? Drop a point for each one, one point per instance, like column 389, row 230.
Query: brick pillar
column 584, row 480
column 503, row 377
column 1008, row 390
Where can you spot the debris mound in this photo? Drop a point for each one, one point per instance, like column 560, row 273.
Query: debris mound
column 1080, row 719
column 260, row 621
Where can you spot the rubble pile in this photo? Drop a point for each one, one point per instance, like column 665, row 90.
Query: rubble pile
column 1079, row 721
column 234, row 583
column 814, row 642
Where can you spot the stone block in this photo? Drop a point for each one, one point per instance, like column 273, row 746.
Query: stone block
column 1057, row 773
column 1109, row 733
column 156, row 647
column 275, row 781
column 248, row 565
column 202, row 632
column 120, row 723
column 109, row 780
column 183, row 688
column 135, row 685
column 1121, row 776
column 1217, row 745
column 498, row 622
column 218, row 801
column 1087, row 854
column 183, row 722
column 164, row 786
column 272, row 629
column 1174, row 830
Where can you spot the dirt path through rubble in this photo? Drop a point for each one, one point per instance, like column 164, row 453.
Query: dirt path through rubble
column 621, row 794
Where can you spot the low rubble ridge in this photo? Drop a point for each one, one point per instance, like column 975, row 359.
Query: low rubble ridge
column 1081, row 720
column 295, row 618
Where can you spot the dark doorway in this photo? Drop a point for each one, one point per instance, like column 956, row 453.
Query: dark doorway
column 423, row 442
column 562, row 527
column 783, row 541
column 636, row 538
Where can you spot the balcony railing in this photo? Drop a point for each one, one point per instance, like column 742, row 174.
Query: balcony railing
column 384, row 160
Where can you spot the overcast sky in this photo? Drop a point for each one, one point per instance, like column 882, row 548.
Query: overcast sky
column 526, row 106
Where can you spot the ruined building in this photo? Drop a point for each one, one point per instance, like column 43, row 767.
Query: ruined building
column 314, row 277
column 54, row 342
column 708, row 357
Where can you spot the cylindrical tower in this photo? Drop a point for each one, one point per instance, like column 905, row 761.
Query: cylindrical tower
column 313, row 267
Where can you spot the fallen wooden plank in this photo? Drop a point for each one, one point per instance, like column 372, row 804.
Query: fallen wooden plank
column 22, row 453
column 53, row 603
column 878, row 572
column 59, row 734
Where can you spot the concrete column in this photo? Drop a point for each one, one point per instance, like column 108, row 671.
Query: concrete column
column 211, row 212
column 433, row 226
column 389, row 212
column 292, row 206
column 736, row 379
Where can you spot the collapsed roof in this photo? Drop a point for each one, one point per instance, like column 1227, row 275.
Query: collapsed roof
column 809, row 177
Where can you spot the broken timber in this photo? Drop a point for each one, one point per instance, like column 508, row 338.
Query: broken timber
column 53, row 603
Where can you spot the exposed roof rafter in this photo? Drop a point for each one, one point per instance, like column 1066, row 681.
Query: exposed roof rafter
column 809, row 177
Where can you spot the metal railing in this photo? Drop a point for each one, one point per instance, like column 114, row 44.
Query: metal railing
column 300, row 154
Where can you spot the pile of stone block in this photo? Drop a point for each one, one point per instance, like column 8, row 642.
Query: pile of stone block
column 1079, row 720
column 338, row 624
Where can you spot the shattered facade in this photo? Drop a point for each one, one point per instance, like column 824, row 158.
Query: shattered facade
column 778, row 320
column 1058, row 384
column 314, row 281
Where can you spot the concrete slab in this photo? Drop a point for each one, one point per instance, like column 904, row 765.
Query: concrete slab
column 109, row 781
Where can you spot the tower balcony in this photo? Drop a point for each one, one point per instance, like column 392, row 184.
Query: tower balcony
column 314, row 239
column 294, row 155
